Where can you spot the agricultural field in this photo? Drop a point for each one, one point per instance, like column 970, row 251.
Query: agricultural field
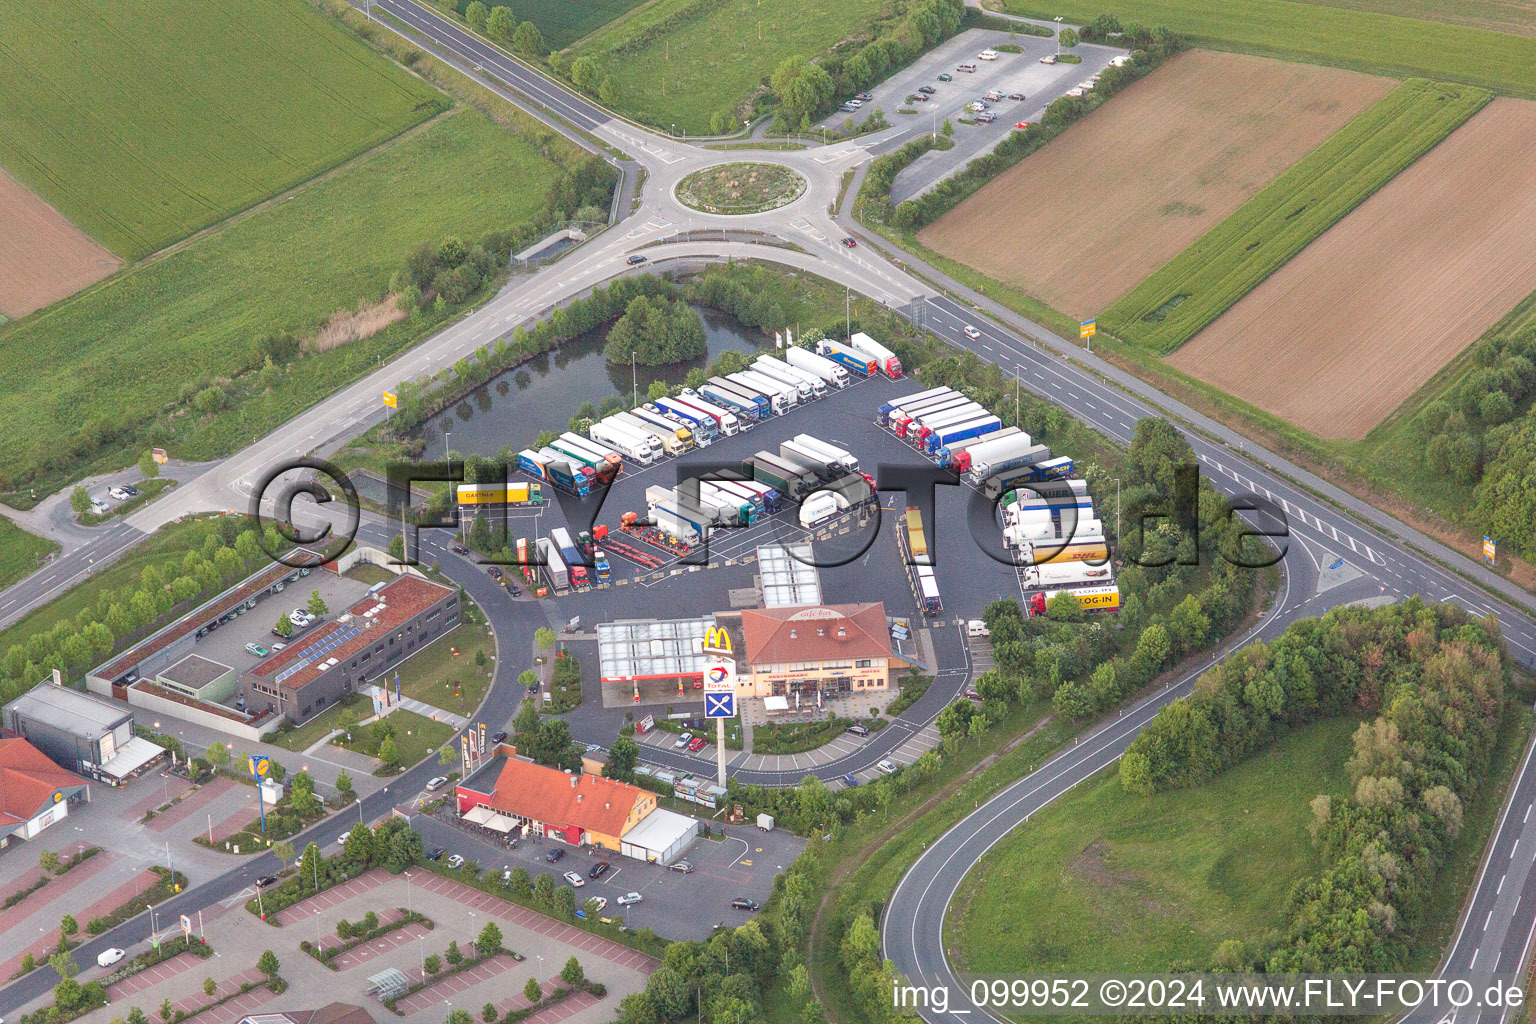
column 1105, row 880
column 1203, row 281
column 1343, row 334
column 1363, row 40
column 128, row 349
column 680, row 61
column 20, row 552
column 144, row 122
column 1518, row 16
column 43, row 257
column 1177, row 152
column 563, row 23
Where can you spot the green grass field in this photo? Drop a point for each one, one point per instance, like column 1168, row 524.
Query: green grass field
column 143, row 122
column 1518, row 17
column 679, row 61
column 20, row 552
column 126, row 348
column 1202, row 282
column 563, row 23
column 1380, row 43
column 1106, row 881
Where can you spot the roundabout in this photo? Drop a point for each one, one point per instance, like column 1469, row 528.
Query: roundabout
column 736, row 189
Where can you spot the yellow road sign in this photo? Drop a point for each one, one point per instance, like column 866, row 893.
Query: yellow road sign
column 1088, row 328
column 390, row 400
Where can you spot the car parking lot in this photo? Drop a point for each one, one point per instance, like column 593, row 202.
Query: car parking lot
column 675, row 904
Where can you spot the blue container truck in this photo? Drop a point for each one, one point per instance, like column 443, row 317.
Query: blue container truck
column 550, row 465
column 703, row 425
column 560, row 537
column 962, row 431
column 886, row 408
column 851, row 359
column 742, row 404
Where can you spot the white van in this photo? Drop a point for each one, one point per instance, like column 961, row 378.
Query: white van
column 969, row 69
column 977, row 629
column 988, row 55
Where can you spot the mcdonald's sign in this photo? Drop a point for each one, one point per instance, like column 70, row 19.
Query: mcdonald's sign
column 718, row 641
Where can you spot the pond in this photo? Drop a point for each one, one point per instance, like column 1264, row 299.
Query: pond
column 545, row 392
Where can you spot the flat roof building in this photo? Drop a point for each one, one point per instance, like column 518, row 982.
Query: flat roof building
column 200, row 677
column 81, row 732
column 635, row 649
column 788, row 575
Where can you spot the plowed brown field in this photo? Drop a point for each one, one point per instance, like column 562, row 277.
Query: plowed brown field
column 1082, row 221
column 43, row 257
column 1349, row 329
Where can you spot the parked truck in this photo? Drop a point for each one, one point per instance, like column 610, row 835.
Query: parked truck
column 1051, row 575
column 554, row 565
column 662, row 439
column 905, row 423
column 680, row 430
column 831, row 372
column 622, row 439
column 484, row 495
column 575, row 564
column 926, row 423
column 1004, row 459
column 789, row 480
column 559, row 470
column 702, row 425
column 739, row 402
column 949, row 454
column 885, row 360
column 744, row 493
column 794, row 452
column 675, row 524
column 606, row 465
column 831, row 452
column 601, row 564
column 791, row 374
column 740, row 511
column 777, row 369
column 897, row 404
column 769, row 494
column 849, row 358
column 770, row 387
column 1024, row 481
column 928, row 590
column 725, row 420
column 1089, row 599
column 963, row 455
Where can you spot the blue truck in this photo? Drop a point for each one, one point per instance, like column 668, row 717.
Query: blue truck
column 750, row 406
column 703, row 426
column 962, row 431
column 847, row 357
column 548, row 464
column 560, row 537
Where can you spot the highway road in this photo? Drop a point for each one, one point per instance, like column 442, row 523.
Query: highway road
column 1383, row 557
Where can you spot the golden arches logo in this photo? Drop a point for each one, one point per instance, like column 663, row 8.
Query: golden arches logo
column 718, row 640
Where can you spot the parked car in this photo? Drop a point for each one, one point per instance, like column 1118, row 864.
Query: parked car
column 599, row 904
column 108, row 957
column 742, row 903
column 554, row 855
column 599, row 870
column 341, row 840
column 986, row 118
column 976, row 628
column 500, row 736
column 436, row 853
column 118, row 494
column 917, row 97
column 437, row 783
column 256, row 649
column 863, row 97
column 927, row 90
column 686, row 867
column 887, row 767
column 635, row 260
column 133, row 492
column 299, row 617
column 855, row 103
column 575, row 879
column 279, row 647
column 1049, row 58
column 850, row 781
column 516, row 590
column 847, row 107
column 1022, row 125
column 629, row 899
column 682, row 741
column 266, row 880
column 456, row 862
column 100, row 507
column 850, row 242
column 696, row 744
column 971, row 332
column 1015, row 95
column 493, row 572
column 946, row 77
column 857, row 730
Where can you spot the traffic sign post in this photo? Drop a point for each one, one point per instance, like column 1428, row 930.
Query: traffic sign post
column 1086, row 329
column 1490, row 550
column 719, row 689
column 259, row 766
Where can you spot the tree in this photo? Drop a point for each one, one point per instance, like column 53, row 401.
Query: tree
column 148, row 467
column 210, row 986
column 284, row 626
column 301, row 795
column 48, row 860
column 167, row 1011
column 571, row 973
column 267, row 963
column 68, row 926
column 63, row 964
column 803, row 88
column 1069, row 38
column 532, row 991
column 544, row 638
column 283, row 851
column 316, row 604
column 452, row 954
column 488, row 942
column 608, row 91
column 459, row 1017
column 623, row 758
column 552, row 745
column 528, row 40
column 389, row 753
column 501, row 25
column 218, row 753
column 309, row 865
column 360, row 845
column 476, row 14
column 488, row 1013
column 80, row 501
column 344, row 786
column 947, row 129
column 432, row 964
column 656, row 331
column 584, row 73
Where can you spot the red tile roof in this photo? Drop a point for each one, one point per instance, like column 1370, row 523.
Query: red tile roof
column 398, row 601
column 593, row 803
column 833, row 632
column 28, row 779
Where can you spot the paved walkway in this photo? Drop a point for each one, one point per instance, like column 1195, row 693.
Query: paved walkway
column 152, row 976
column 436, row 714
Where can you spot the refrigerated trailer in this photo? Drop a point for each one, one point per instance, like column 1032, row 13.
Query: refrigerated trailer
column 701, row 424
column 825, row 469
column 790, row 373
column 928, row 590
column 961, row 431
column 625, row 441
column 789, row 480
column 999, row 444
column 605, row 463
column 554, row 566
column 1024, row 482
column 744, row 405
column 743, row 492
column 830, row 452
column 885, row 360
column 908, row 423
column 900, row 419
column 897, row 404
column 1006, row 460
column 725, row 420
column 948, row 454
column 1067, row 574
column 680, row 430
column 661, row 437
column 674, row 523
column 768, row 386
column 922, row 427
column 774, row 370
column 829, row 371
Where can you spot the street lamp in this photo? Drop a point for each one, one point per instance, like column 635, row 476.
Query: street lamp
column 1057, row 20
